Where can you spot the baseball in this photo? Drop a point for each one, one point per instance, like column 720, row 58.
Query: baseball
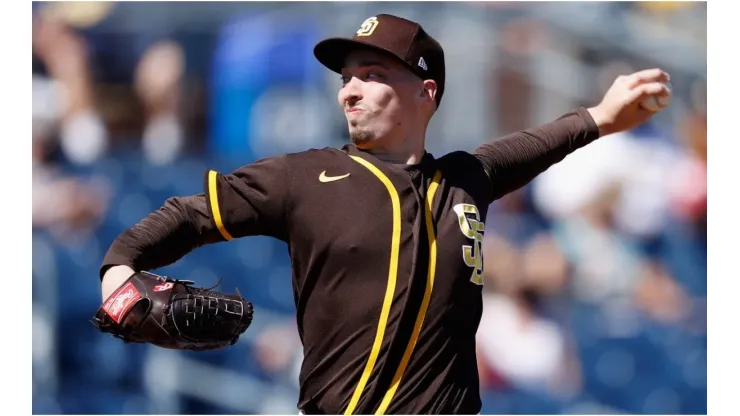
column 656, row 104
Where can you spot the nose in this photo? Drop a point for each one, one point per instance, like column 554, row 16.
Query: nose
column 351, row 93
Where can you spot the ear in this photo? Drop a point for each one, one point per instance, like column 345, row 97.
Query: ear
column 429, row 90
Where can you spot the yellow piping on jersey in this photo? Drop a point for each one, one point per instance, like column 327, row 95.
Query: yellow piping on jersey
column 213, row 197
column 425, row 301
column 390, row 288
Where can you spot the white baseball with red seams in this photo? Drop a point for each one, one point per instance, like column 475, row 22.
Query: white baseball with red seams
column 656, row 104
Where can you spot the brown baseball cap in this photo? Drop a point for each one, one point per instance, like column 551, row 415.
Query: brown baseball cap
column 401, row 38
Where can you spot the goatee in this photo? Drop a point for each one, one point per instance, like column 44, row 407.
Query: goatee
column 361, row 136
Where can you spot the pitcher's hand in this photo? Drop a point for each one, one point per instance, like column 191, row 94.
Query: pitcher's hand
column 620, row 108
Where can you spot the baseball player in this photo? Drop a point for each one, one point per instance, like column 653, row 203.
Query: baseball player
column 384, row 237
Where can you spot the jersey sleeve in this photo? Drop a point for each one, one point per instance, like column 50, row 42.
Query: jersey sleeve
column 515, row 160
column 249, row 201
column 164, row 236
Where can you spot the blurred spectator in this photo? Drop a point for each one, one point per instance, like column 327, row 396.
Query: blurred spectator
column 658, row 294
column 609, row 269
column 60, row 202
column 517, row 343
column 83, row 135
column 690, row 189
column 64, row 40
column 65, row 202
column 278, row 351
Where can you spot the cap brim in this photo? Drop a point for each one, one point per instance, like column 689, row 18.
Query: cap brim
column 332, row 52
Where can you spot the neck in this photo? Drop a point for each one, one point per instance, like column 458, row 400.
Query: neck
column 407, row 151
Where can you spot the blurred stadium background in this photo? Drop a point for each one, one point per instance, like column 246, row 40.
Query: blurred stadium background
column 595, row 298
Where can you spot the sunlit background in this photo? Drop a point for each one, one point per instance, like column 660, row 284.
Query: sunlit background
column 595, row 295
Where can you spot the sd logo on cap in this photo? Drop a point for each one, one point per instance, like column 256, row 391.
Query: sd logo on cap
column 368, row 27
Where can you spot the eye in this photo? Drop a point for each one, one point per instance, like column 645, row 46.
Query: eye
column 345, row 80
column 374, row 75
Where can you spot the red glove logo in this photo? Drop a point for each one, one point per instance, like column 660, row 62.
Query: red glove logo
column 117, row 305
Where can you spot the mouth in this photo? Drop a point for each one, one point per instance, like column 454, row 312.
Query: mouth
column 353, row 110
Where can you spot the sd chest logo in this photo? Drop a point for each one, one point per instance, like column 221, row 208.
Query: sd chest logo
column 472, row 227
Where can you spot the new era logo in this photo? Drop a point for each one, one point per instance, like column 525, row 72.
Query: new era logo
column 423, row 64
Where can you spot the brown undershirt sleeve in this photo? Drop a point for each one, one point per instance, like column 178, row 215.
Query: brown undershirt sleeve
column 514, row 160
column 164, row 236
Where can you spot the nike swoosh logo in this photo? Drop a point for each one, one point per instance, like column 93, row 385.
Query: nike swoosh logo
column 325, row 179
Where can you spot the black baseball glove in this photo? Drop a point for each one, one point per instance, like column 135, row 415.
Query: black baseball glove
column 171, row 313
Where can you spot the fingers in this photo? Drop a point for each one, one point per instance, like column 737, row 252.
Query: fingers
column 647, row 90
column 644, row 77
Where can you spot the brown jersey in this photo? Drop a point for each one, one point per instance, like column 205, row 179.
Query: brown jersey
column 387, row 260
